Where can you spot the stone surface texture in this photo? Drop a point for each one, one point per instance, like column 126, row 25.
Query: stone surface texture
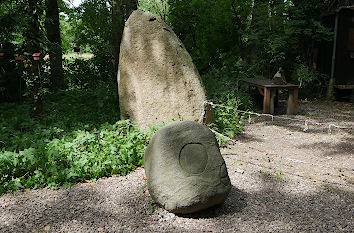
column 184, row 168
column 157, row 79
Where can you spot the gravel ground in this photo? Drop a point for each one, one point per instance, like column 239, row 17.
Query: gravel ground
column 284, row 180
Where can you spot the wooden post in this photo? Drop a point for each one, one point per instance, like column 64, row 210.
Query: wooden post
column 20, row 62
column 276, row 99
column 272, row 95
column 266, row 101
column 292, row 101
column 208, row 114
column 330, row 91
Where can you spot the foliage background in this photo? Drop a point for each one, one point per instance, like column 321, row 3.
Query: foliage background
column 80, row 135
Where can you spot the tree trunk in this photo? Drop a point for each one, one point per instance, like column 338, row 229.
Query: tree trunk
column 53, row 35
column 121, row 10
column 130, row 6
column 32, row 41
column 117, row 31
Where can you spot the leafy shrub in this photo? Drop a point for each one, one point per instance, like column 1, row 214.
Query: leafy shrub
column 313, row 83
column 81, row 155
column 221, row 84
column 80, row 138
column 83, row 108
column 228, row 121
column 36, row 153
column 85, row 73
column 79, row 72
column 66, row 111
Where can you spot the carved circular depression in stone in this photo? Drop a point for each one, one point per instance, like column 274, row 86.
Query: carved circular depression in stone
column 193, row 158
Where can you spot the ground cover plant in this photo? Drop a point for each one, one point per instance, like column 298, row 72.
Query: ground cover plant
column 80, row 138
column 221, row 87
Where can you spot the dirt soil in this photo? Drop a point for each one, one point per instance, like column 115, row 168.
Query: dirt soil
column 284, row 180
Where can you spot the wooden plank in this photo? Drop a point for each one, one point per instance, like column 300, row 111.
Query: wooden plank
column 276, row 98
column 266, row 83
column 351, row 39
column 266, row 101
column 269, row 90
column 292, row 101
column 272, row 96
column 344, row 86
column 238, row 85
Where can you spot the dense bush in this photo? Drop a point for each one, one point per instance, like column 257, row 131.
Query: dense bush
column 312, row 84
column 259, row 36
column 80, row 138
column 81, row 155
column 83, row 72
column 221, row 86
column 206, row 27
column 38, row 153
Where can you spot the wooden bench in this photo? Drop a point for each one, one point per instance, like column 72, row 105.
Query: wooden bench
column 269, row 90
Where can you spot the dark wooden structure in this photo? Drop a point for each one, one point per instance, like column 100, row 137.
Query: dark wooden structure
column 336, row 58
column 268, row 88
column 77, row 49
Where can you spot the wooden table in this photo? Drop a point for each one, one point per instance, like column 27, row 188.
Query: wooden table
column 269, row 90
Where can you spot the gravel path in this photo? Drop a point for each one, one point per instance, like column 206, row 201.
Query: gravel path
column 284, row 180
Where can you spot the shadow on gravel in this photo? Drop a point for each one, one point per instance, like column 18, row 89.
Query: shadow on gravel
column 271, row 206
column 276, row 208
column 326, row 112
column 235, row 202
column 247, row 138
column 312, row 128
column 79, row 209
column 343, row 148
column 69, row 207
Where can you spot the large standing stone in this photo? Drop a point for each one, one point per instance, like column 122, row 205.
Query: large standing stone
column 184, row 168
column 157, row 79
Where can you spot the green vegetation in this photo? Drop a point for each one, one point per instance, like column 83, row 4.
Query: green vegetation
column 221, row 86
column 276, row 175
column 80, row 138
column 250, row 39
column 152, row 205
column 59, row 118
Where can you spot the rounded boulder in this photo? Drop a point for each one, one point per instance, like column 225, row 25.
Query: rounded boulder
column 184, row 168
